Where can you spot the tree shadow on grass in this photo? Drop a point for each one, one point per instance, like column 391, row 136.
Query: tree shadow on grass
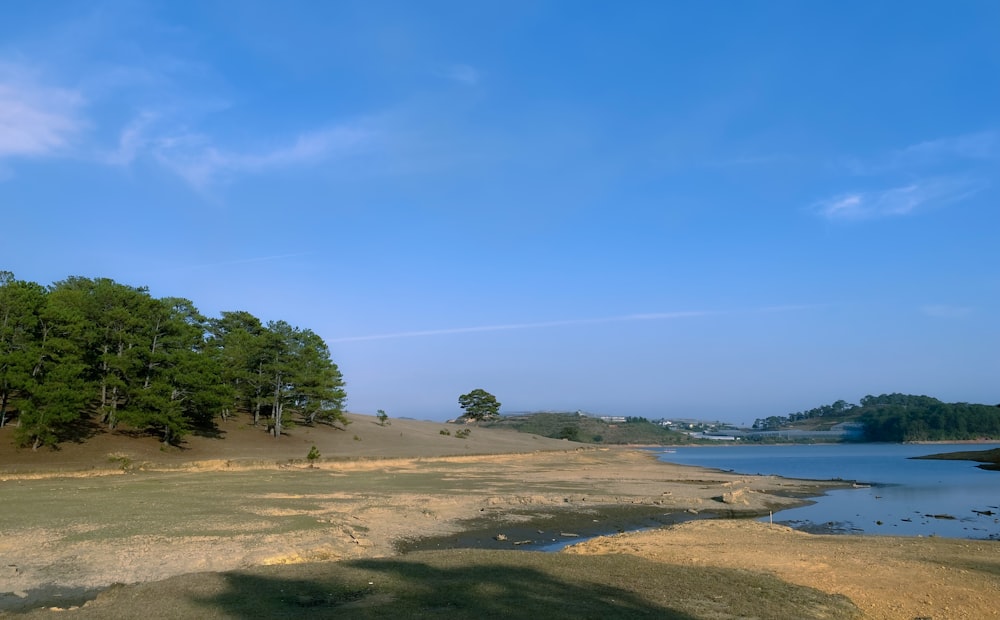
column 392, row 587
column 471, row 584
column 82, row 429
column 209, row 430
column 512, row 584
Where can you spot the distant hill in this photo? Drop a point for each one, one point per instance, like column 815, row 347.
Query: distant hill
column 897, row 418
column 588, row 429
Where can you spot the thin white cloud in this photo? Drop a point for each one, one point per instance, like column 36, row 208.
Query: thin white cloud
column 36, row 119
column 965, row 150
column 844, row 206
column 39, row 119
column 464, row 74
column 627, row 318
column 899, row 201
column 132, row 140
column 308, row 147
column 196, row 158
column 982, row 145
column 660, row 316
column 198, row 161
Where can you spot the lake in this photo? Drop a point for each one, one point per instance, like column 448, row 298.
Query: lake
column 954, row 499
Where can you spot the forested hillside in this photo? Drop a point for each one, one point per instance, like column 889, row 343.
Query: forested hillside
column 86, row 352
column 898, row 417
column 901, row 417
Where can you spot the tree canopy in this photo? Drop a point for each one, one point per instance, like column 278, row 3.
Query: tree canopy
column 479, row 405
column 902, row 417
column 94, row 350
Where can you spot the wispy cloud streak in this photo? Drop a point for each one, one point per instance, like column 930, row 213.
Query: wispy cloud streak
column 898, row 201
column 962, row 150
column 627, row 318
column 921, row 176
column 974, row 146
column 195, row 159
column 38, row 119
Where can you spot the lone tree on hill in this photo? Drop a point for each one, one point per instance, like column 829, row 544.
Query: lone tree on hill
column 479, row 405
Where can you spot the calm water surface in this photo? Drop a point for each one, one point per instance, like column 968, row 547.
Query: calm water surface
column 954, row 499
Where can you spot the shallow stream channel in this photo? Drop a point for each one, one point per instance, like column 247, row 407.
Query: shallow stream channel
column 551, row 530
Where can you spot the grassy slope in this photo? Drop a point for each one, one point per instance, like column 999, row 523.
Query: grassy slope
column 239, row 441
column 586, row 429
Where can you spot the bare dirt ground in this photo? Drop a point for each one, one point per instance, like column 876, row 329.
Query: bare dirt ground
column 113, row 510
column 888, row 578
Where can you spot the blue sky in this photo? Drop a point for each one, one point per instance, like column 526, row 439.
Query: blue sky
column 719, row 210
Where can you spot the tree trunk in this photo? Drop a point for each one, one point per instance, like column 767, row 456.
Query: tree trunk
column 104, row 386
column 277, row 407
column 257, row 391
column 112, row 413
column 277, row 420
column 152, row 355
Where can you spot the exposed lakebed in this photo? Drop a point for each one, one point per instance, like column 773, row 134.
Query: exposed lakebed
column 550, row 530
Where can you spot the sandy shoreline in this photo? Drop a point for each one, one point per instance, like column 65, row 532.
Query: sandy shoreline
column 264, row 515
column 886, row 577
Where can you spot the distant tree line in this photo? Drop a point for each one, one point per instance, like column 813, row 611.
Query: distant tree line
column 93, row 351
column 838, row 408
column 900, row 417
column 589, row 429
column 903, row 417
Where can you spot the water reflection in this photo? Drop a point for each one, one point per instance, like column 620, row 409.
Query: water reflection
column 954, row 499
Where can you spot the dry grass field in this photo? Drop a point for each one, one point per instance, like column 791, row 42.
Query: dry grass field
column 244, row 527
